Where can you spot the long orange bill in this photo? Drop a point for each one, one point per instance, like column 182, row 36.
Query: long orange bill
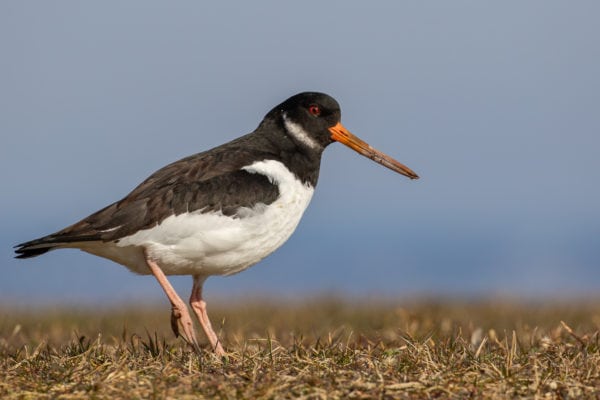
column 342, row 135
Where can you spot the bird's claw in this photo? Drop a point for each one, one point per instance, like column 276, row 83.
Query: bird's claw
column 189, row 337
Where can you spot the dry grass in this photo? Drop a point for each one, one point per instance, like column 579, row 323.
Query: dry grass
column 322, row 349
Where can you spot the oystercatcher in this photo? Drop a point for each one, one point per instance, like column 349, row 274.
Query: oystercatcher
column 220, row 211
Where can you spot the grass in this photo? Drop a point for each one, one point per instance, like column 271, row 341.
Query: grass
column 324, row 348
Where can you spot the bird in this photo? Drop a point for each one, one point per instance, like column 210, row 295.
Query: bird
column 220, row 211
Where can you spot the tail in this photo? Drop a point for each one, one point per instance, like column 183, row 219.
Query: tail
column 36, row 247
column 72, row 236
column 57, row 240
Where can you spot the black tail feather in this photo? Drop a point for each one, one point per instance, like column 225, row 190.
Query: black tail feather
column 36, row 247
column 27, row 253
column 44, row 244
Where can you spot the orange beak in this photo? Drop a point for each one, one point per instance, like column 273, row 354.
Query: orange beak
column 342, row 135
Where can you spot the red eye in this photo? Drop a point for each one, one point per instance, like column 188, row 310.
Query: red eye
column 314, row 110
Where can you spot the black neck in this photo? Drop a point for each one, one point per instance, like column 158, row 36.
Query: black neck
column 270, row 139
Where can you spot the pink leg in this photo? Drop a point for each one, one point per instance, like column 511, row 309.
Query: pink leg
column 199, row 307
column 179, row 314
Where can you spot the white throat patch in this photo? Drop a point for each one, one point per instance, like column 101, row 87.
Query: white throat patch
column 300, row 134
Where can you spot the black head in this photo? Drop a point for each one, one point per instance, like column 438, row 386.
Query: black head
column 312, row 121
column 306, row 119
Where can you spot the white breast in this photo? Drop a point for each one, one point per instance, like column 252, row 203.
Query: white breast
column 211, row 243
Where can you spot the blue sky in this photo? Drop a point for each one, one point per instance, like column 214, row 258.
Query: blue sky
column 496, row 106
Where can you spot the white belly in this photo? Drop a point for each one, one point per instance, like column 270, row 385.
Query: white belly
column 212, row 243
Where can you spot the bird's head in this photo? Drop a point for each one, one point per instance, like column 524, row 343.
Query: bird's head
column 313, row 121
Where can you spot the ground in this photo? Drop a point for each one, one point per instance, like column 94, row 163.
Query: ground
column 321, row 348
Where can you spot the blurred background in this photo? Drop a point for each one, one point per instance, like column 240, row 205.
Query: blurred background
column 496, row 106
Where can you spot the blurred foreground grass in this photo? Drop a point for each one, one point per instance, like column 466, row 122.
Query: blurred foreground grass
column 322, row 348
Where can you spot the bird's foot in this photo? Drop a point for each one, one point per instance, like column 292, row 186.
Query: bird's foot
column 218, row 349
column 182, row 319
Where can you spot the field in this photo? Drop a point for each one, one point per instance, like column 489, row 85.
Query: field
column 320, row 348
